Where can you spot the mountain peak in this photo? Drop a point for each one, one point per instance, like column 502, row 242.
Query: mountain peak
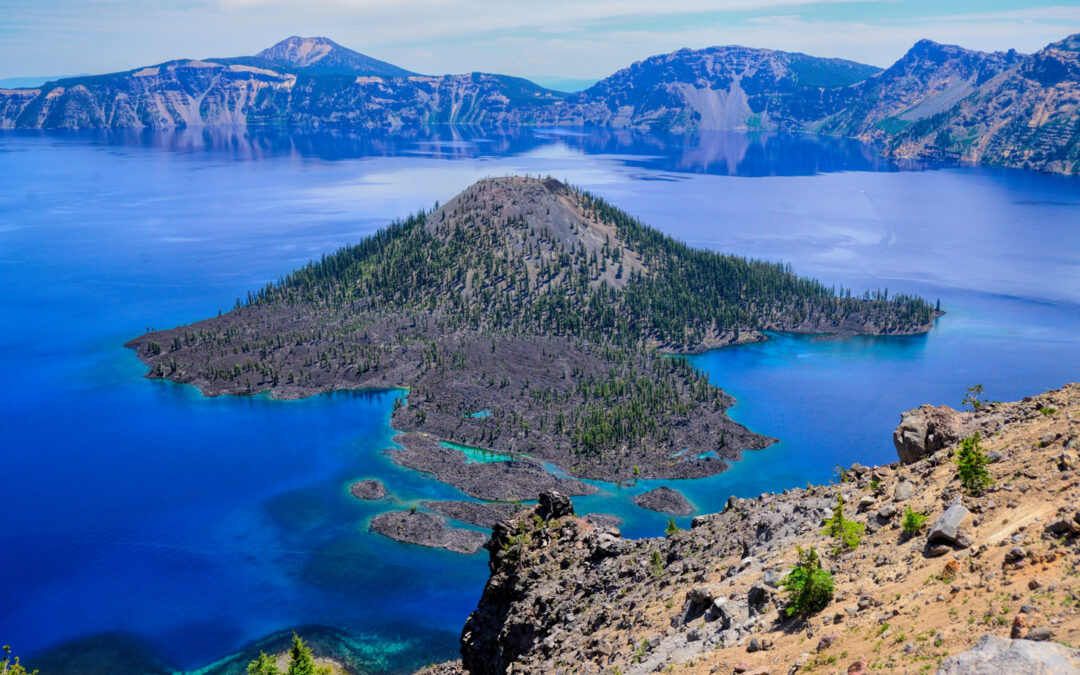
column 300, row 51
column 1069, row 44
column 323, row 56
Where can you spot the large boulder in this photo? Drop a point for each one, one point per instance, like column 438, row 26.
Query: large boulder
column 554, row 504
column 925, row 430
column 1000, row 656
column 947, row 526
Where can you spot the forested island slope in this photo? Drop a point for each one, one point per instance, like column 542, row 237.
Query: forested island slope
column 525, row 317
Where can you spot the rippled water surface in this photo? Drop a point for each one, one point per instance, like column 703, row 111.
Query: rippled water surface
column 173, row 530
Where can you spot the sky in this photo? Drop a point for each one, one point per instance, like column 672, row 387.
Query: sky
column 543, row 39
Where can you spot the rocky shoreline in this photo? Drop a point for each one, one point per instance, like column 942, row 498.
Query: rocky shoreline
column 981, row 584
column 665, row 500
column 473, row 513
column 519, row 478
column 427, row 529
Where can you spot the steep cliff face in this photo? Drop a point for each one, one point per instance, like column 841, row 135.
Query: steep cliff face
column 566, row 595
column 930, row 78
column 169, row 95
column 715, row 88
column 937, row 102
column 1027, row 116
column 304, row 82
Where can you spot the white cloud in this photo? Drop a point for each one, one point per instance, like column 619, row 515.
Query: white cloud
column 556, row 38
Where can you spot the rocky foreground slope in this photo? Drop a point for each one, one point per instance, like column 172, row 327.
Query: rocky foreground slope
column 989, row 584
column 937, row 101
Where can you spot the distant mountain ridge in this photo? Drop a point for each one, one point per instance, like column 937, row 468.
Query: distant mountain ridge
column 936, row 102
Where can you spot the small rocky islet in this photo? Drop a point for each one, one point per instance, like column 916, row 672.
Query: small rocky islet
column 368, row 489
column 427, row 529
column 665, row 500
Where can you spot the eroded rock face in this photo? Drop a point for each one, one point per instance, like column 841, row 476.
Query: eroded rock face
column 999, row 656
column 926, row 430
column 554, row 504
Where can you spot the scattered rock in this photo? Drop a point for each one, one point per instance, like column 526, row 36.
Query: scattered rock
column 857, row 668
column 904, row 490
column 937, row 550
column 758, row 599
column 827, row 641
column 947, row 525
column 367, row 489
column 665, row 500
column 1040, row 634
column 886, row 512
column 1067, row 526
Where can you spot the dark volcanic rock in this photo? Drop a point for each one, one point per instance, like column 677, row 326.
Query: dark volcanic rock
column 427, row 529
column 665, row 500
column 947, row 525
column 367, row 489
column 604, row 520
column 554, row 504
column 520, row 478
column 474, row 513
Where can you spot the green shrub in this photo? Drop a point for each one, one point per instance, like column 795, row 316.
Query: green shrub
column 656, row 564
column 971, row 398
column 9, row 665
column 847, row 533
column 971, row 464
column 809, row 588
column 671, row 528
column 301, row 662
column 264, row 665
column 913, row 521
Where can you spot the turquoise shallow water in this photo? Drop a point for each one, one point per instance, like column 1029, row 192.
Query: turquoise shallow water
column 195, row 526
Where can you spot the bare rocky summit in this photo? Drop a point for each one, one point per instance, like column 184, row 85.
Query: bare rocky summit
column 986, row 585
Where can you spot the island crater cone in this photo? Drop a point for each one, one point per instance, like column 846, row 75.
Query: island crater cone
column 544, row 308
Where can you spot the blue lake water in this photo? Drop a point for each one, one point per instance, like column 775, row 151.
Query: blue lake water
column 195, row 526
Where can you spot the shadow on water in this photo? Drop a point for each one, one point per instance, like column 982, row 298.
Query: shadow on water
column 394, row 650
